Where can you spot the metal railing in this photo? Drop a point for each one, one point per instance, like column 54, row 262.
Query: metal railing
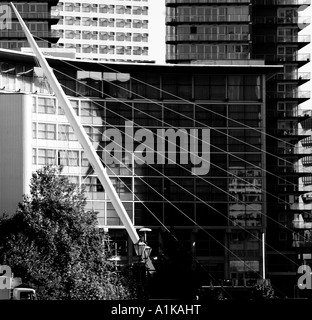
column 293, row 76
column 282, row 20
column 281, row 2
column 208, row 37
column 206, row 1
column 206, row 18
column 21, row 34
column 205, row 56
column 275, row 39
column 284, row 57
column 289, row 95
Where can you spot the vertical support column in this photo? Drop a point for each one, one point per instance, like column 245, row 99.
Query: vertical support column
column 26, row 141
column 16, row 151
column 263, row 255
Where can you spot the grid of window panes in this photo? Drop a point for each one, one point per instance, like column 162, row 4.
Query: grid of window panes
column 228, row 107
column 161, row 183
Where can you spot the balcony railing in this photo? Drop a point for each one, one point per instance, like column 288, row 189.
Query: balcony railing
column 37, row 15
column 21, row 34
column 280, row 20
column 289, row 95
column 206, row 18
column 208, row 37
column 293, row 76
column 206, row 1
column 212, row 56
column 281, row 2
column 284, row 57
column 275, row 39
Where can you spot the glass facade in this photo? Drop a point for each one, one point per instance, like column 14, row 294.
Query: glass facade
column 195, row 161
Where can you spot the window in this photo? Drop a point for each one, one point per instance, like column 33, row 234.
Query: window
column 120, row 36
column 46, row 156
column 103, row 8
column 103, row 22
column 46, row 105
column 111, row 8
column 145, row 37
column 86, row 7
column 69, row 20
column 120, row 9
column 136, row 10
column 145, row 10
column 34, row 130
column 137, row 37
column 104, row 49
column 120, row 23
column 77, row 21
column 86, row 35
column 86, row 21
column 69, row 7
column 128, row 23
column 137, row 50
column 137, row 23
column 193, row 29
column 68, row 158
column 46, row 131
column 69, row 34
column 77, row 7
column 66, row 133
column 120, row 50
column 34, row 156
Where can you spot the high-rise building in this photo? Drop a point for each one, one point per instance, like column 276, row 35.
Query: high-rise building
column 38, row 18
column 112, row 30
column 269, row 30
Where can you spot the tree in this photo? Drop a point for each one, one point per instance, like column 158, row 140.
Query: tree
column 53, row 244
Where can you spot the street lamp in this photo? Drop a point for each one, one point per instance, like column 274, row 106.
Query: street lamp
column 143, row 250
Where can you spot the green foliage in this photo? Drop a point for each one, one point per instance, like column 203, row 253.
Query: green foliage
column 53, row 244
column 263, row 290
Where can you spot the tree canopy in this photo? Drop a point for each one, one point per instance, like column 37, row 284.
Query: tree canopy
column 54, row 245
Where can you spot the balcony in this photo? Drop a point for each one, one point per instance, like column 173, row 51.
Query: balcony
column 289, row 95
column 281, row 2
column 292, row 132
column 294, row 151
column 299, row 76
column 192, row 2
column 207, row 56
column 282, row 39
column 37, row 15
column 8, row 34
column 301, row 58
column 208, row 37
column 282, row 20
column 206, row 19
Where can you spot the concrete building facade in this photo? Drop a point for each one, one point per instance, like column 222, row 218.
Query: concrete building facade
column 104, row 30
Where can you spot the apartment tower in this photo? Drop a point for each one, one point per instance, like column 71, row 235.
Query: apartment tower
column 104, row 30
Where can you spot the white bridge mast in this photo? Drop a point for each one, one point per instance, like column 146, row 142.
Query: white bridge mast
column 83, row 138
